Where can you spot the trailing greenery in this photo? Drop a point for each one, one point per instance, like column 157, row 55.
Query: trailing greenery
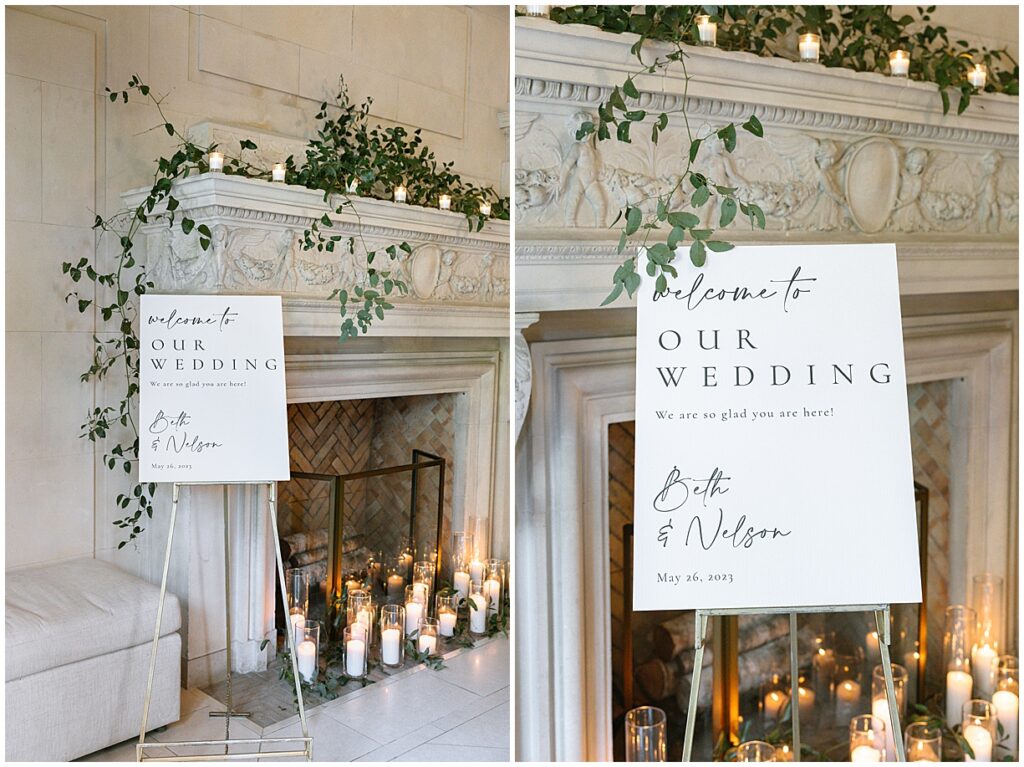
column 858, row 37
column 347, row 158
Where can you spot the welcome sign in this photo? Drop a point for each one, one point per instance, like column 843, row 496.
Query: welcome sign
column 212, row 391
column 773, row 463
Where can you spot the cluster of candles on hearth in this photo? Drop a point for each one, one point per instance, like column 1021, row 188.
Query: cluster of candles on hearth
column 395, row 601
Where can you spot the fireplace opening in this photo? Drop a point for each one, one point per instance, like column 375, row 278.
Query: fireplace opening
column 745, row 685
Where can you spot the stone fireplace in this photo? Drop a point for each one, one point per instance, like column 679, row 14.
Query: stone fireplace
column 943, row 188
column 430, row 377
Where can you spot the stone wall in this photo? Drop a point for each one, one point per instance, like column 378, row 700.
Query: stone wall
column 71, row 153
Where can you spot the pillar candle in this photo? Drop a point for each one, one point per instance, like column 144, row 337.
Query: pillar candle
column 447, row 622
column 983, row 659
column 492, row 589
column 847, row 700
column 355, row 657
column 413, row 613
column 806, row 697
column 1007, row 706
column 306, row 656
column 477, row 613
column 390, row 645
column 462, row 583
column 865, row 754
column 428, row 643
column 476, row 570
column 298, row 627
column 958, row 691
column 880, row 710
column 359, row 631
column 395, row 585
column 871, row 643
column 420, row 590
column 981, row 741
column 773, row 704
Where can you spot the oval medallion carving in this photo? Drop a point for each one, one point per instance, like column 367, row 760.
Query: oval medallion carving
column 872, row 183
column 424, row 269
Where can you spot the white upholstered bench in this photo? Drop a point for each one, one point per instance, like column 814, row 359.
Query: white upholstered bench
column 78, row 639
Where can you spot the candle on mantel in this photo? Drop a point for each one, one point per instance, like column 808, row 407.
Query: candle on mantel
column 773, row 704
column 447, row 621
column 462, row 583
column 707, row 30
column 306, row 657
column 899, row 63
column 390, row 645
column 413, row 613
column 1007, row 712
column 810, row 47
column 395, row 585
column 847, row 700
column 983, row 660
column 400, row 195
column 538, row 11
column 865, row 754
column 428, row 643
column 485, row 209
column 277, row 172
column 444, row 202
column 216, row 161
column 977, row 76
column 981, row 742
column 353, row 186
column 355, row 657
column 958, row 691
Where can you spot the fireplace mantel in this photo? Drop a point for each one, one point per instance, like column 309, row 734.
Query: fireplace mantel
column 846, row 157
column 458, row 280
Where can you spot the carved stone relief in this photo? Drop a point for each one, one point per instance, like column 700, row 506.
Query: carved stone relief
column 804, row 180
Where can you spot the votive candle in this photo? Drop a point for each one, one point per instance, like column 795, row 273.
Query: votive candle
column 277, row 172
column 899, row 63
column 707, row 30
column 444, row 202
column 977, row 76
column 216, row 160
column 485, row 209
column 401, row 193
column 810, row 47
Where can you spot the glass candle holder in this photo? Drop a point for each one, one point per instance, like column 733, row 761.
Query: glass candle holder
column 987, row 602
column 427, row 636
column 810, row 48
column 1006, row 699
column 446, row 608
column 867, row 739
column 356, row 648
column 977, row 76
column 957, row 644
column 823, row 669
column 216, row 162
column 478, row 604
column 847, row 689
column 428, row 553
column 755, row 751
column 707, row 30
column 392, row 635
column 374, row 570
column 923, row 742
column 401, row 193
column 485, row 209
column 415, row 608
column 277, row 172
column 880, row 702
column 298, row 601
column 423, row 579
column 899, row 63
column 406, row 556
column 307, row 652
column 395, row 584
column 494, row 584
column 537, row 11
column 361, row 614
column 979, row 730
column 444, row 202
column 774, row 698
column 646, row 737
column 784, row 753
column 353, row 186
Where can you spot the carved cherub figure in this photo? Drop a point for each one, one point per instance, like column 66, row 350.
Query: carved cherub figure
column 907, row 216
column 988, row 196
column 580, row 175
column 832, row 199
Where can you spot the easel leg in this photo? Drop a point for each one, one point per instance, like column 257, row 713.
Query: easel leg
column 156, row 629
column 699, row 639
column 794, row 698
column 883, row 624
column 289, row 631
column 227, row 612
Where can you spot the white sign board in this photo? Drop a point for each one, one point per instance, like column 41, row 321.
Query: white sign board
column 212, row 392
column 773, row 463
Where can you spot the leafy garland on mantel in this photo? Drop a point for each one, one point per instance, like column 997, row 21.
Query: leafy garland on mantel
column 347, row 158
column 853, row 37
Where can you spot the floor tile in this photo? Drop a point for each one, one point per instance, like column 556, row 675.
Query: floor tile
column 401, row 745
column 490, row 729
column 435, row 752
column 472, row 710
column 395, row 709
column 332, row 740
column 199, row 725
column 482, row 671
column 122, row 752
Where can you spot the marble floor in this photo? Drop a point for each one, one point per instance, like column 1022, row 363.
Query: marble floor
column 458, row 714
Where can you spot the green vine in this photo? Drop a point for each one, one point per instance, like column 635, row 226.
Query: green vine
column 347, row 158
